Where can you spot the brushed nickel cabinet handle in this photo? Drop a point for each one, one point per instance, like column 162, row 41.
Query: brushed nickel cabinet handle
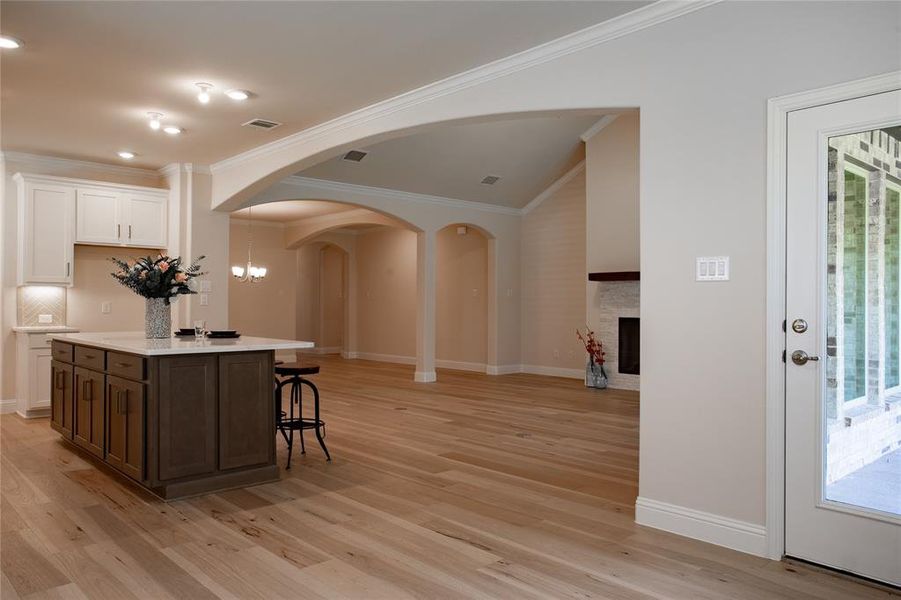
column 118, row 230
column 90, row 356
column 123, row 406
column 123, row 365
column 129, row 232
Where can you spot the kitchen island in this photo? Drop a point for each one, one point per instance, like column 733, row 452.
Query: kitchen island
column 177, row 416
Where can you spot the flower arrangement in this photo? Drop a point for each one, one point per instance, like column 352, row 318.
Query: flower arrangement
column 164, row 277
column 595, row 375
column 593, row 346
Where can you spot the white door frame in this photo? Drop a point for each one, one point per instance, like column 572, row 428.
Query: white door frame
column 777, row 138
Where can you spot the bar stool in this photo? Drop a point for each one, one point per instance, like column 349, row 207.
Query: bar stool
column 289, row 422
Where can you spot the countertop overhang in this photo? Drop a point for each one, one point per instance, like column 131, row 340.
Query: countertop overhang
column 134, row 342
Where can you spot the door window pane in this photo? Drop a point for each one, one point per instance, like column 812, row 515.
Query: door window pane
column 863, row 322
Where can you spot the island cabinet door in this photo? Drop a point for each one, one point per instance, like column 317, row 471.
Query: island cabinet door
column 89, row 403
column 186, row 405
column 61, row 397
column 125, row 426
column 246, row 410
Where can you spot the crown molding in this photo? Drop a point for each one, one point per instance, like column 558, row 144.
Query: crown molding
column 169, row 170
column 597, row 127
column 338, row 186
column 553, row 188
column 21, row 177
column 70, row 163
column 631, row 22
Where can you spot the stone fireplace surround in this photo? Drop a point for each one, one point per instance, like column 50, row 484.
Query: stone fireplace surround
column 608, row 301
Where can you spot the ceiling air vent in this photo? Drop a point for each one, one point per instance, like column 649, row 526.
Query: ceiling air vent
column 491, row 179
column 261, row 124
column 355, row 155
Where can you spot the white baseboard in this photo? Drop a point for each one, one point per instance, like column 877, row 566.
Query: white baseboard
column 323, row 350
column 704, row 526
column 8, row 406
column 503, row 369
column 554, row 371
column 350, row 355
column 460, row 365
column 389, row 358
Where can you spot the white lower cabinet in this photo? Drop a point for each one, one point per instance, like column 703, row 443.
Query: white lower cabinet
column 33, row 356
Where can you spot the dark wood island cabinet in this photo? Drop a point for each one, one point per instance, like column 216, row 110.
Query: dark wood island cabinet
column 180, row 418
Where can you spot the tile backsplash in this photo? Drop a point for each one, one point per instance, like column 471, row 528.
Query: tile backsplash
column 36, row 300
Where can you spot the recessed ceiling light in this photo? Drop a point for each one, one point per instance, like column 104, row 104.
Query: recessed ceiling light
column 238, row 94
column 155, row 119
column 204, row 96
column 172, row 129
column 10, row 42
column 126, row 155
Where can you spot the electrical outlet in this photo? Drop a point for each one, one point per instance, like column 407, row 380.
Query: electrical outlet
column 556, row 353
column 45, row 319
column 204, row 299
column 106, row 307
column 475, row 292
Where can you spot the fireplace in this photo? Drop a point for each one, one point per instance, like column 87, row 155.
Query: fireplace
column 629, row 346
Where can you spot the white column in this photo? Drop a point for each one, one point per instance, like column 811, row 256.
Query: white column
column 425, row 307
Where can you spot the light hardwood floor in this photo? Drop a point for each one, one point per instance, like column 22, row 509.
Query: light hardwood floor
column 515, row 487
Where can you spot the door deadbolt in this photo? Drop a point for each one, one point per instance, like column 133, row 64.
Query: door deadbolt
column 801, row 358
column 799, row 325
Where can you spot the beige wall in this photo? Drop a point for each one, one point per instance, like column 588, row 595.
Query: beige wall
column 266, row 308
column 553, row 276
column 386, row 292
column 331, row 296
column 611, row 159
column 94, row 285
column 461, row 297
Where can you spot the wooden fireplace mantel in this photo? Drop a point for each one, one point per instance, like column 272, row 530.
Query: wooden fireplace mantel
column 615, row 276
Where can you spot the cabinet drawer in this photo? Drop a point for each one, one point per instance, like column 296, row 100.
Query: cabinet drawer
column 92, row 358
column 61, row 351
column 38, row 340
column 128, row 366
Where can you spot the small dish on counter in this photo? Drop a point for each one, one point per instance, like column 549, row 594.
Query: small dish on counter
column 223, row 334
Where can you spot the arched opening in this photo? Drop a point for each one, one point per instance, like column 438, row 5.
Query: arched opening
column 461, row 299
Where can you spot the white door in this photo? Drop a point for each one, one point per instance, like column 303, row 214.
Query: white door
column 98, row 219
column 45, row 227
column 843, row 337
column 144, row 217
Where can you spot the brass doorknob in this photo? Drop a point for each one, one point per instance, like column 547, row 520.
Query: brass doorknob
column 799, row 357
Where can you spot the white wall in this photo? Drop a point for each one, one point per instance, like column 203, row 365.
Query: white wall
column 701, row 81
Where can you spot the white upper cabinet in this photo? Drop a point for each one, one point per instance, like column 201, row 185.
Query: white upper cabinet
column 143, row 219
column 55, row 213
column 46, row 214
column 97, row 218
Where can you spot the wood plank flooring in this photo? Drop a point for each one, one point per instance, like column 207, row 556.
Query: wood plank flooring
column 517, row 487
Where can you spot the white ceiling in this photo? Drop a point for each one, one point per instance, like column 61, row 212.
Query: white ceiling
column 90, row 71
column 291, row 210
column 450, row 161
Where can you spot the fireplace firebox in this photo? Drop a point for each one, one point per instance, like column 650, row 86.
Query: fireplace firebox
column 629, row 345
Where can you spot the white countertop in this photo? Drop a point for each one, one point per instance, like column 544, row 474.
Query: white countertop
column 134, row 342
column 44, row 329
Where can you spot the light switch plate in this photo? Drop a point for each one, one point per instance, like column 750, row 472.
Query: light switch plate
column 204, row 300
column 206, row 285
column 712, row 268
column 106, row 307
column 45, row 319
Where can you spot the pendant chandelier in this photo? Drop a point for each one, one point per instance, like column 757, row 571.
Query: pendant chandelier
column 250, row 272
